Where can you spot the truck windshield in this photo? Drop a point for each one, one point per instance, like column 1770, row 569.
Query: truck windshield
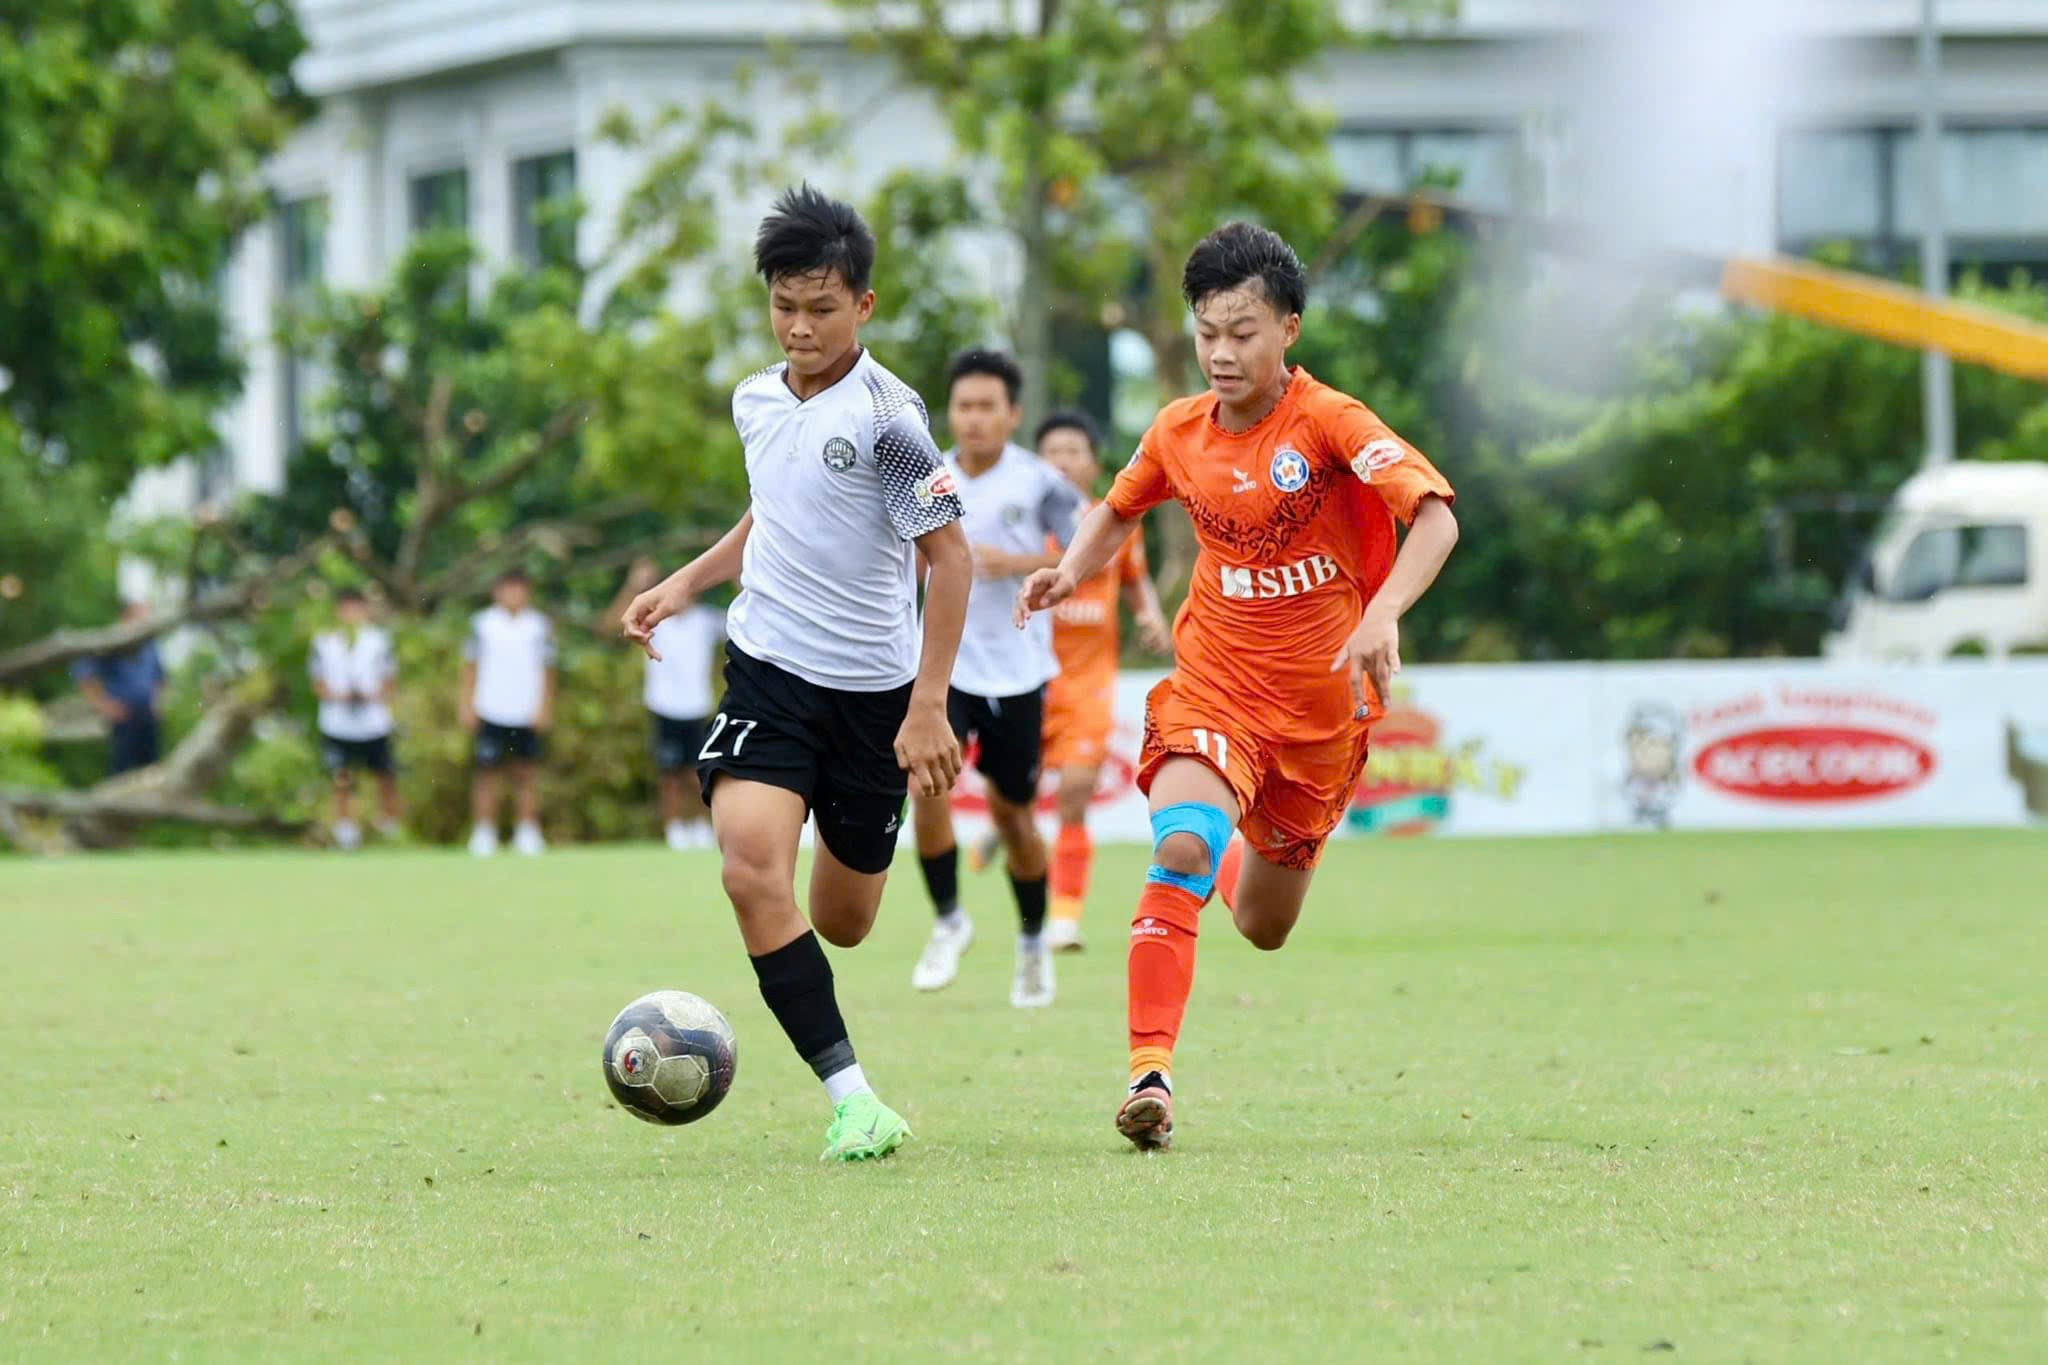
column 1945, row 557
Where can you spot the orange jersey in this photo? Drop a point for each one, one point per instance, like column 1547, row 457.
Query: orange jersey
column 1295, row 519
column 1085, row 634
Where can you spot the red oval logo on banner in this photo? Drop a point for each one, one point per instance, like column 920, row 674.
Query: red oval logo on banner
column 1814, row 763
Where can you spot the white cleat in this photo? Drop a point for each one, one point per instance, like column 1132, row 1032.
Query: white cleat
column 1034, row 986
column 939, row 963
column 1063, row 936
column 348, row 835
column 677, row 834
column 483, row 842
column 702, row 835
column 526, row 839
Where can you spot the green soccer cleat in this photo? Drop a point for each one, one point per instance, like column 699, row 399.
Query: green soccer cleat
column 863, row 1129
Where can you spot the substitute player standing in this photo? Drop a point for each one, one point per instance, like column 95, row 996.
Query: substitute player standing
column 508, row 703
column 355, row 676
column 1291, row 629
column 1016, row 505
column 1080, row 703
column 677, row 694
column 829, row 699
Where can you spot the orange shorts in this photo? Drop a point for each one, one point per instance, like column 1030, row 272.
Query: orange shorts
column 1078, row 722
column 1291, row 795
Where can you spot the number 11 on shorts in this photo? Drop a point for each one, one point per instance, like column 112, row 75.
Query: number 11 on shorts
column 1213, row 746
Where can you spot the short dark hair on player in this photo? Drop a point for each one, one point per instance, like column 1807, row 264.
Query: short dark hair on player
column 348, row 595
column 986, row 360
column 1237, row 253
column 1071, row 419
column 809, row 231
column 513, row 575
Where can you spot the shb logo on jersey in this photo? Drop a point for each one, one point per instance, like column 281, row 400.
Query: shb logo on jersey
column 839, row 454
column 1290, row 469
column 1281, row 580
column 1375, row 457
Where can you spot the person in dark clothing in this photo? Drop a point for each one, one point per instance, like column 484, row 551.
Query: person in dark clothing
column 125, row 689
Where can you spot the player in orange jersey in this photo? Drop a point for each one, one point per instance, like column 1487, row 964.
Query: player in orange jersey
column 1080, row 704
column 1289, row 635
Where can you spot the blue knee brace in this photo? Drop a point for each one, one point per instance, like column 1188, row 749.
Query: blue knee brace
column 1207, row 823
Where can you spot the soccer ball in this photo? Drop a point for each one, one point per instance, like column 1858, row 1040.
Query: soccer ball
column 669, row 1057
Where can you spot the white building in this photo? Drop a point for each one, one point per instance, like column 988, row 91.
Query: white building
column 1721, row 125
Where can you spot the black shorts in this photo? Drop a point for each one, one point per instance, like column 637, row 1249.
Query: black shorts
column 1011, row 731
column 371, row 755
column 497, row 744
column 132, row 742
column 835, row 749
column 676, row 742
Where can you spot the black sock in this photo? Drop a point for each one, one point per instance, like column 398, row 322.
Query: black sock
column 796, row 981
column 1030, row 903
column 942, row 879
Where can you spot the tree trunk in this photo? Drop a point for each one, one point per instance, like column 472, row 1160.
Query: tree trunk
column 1173, row 366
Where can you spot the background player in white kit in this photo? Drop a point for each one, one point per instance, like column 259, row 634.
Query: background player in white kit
column 829, row 697
column 1016, row 505
column 355, row 675
column 677, row 694
column 508, row 703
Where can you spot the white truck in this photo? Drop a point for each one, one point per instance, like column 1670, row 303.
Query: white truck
column 1959, row 566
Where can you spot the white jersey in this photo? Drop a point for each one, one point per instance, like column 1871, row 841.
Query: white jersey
column 362, row 664
column 512, row 655
column 841, row 483
column 1013, row 505
column 679, row 682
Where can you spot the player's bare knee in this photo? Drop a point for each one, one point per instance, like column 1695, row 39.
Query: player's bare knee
column 841, row 930
column 1262, row 933
column 752, row 880
column 1183, row 853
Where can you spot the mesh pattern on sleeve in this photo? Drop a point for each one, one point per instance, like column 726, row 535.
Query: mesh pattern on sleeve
column 915, row 485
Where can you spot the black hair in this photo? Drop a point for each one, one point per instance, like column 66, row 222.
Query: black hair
column 984, row 360
column 809, row 231
column 512, row 575
column 347, row 595
column 1071, row 419
column 1240, row 252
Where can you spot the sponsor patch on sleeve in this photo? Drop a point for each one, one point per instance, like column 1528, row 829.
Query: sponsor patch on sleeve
column 934, row 486
column 1377, row 456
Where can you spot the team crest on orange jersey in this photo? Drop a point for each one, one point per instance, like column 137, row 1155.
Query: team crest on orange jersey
column 1290, row 470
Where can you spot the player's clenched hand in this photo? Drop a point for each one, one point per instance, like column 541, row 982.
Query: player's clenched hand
column 665, row 599
column 1373, row 652
column 1044, row 590
column 927, row 750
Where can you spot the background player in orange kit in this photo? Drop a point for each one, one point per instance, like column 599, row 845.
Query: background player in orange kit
column 1290, row 631
column 1080, row 704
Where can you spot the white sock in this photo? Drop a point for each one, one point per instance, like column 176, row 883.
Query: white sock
column 846, row 1081
column 1031, row 943
column 952, row 920
column 675, row 829
column 347, row 834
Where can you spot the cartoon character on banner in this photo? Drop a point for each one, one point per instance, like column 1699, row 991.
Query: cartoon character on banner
column 1652, row 743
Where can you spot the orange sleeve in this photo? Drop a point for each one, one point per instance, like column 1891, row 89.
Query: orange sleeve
column 1142, row 485
column 1356, row 438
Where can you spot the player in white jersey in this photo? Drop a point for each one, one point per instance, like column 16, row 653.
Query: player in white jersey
column 508, row 703
column 1016, row 505
column 830, row 697
column 677, row 694
column 355, row 676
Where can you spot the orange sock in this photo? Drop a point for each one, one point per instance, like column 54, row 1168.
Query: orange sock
column 1073, row 853
column 1161, row 973
column 1227, row 870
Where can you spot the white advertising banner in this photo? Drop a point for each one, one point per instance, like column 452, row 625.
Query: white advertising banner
column 1578, row 748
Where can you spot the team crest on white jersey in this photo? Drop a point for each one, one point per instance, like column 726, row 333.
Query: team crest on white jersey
column 1290, row 469
column 839, row 454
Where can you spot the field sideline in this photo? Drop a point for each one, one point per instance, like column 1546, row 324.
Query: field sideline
column 1737, row 1098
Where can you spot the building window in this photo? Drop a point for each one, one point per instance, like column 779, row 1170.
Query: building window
column 302, row 269
column 440, row 201
column 1861, row 186
column 544, row 209
column 1477, row 165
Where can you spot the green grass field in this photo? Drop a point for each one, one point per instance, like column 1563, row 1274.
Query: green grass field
column 1735, row 1098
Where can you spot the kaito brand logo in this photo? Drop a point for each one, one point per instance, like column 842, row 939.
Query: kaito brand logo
column 1280, row 580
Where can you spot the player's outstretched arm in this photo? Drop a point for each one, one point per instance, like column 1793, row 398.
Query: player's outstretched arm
column 925, row 746
column 1374, row 649
column 674, row 594
column 1102, row 533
